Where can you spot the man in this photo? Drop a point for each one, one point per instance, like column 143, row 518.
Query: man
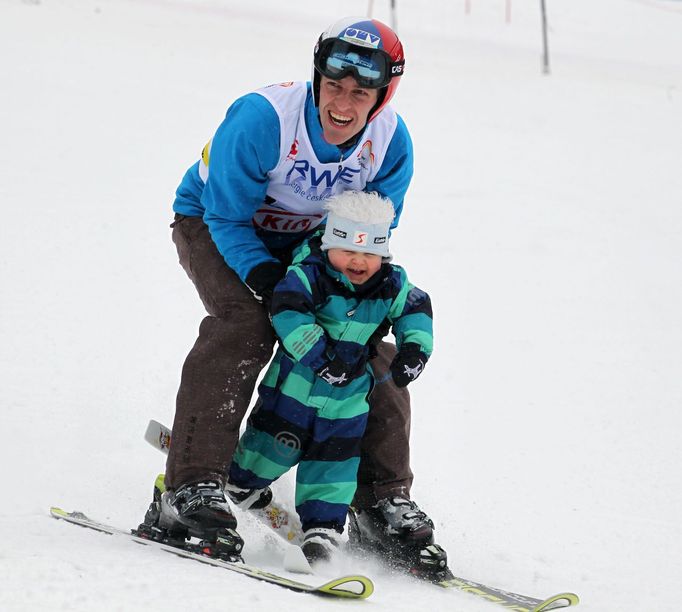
column 256, row 193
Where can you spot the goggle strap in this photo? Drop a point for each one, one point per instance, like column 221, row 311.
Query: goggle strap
column 397, row 68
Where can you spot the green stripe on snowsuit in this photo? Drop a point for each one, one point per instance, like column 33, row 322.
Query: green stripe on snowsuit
column 300, row 418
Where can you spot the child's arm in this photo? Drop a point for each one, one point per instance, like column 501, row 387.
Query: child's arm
column 411, row 315
column 412, row 320
column 293, row 317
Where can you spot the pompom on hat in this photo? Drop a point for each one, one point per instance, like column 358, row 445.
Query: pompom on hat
column 358, row 221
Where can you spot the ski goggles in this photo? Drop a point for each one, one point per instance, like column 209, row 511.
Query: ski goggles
column 371, row 68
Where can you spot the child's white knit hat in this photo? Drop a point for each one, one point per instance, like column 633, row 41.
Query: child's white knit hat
column 358, row 221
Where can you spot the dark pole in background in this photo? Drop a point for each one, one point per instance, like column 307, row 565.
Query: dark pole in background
column 394, row 13
column 545, row 45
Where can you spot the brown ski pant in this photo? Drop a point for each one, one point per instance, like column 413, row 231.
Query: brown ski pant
column 219, row 375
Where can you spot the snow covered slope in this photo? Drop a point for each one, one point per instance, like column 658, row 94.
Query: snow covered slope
column 545, row 219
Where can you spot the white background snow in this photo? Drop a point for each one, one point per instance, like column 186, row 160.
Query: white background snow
column 545, row 220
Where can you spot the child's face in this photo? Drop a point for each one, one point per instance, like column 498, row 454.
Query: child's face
column 356, row 267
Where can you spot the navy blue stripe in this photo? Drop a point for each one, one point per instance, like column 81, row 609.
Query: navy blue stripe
column 418, row 301
column 333, row 449
column 299, row 420
column 316, row 512
column 245, row 479
column 353, row 427
column 286, row 364
column 340, row 436
column 290, row 299
column 351, row 351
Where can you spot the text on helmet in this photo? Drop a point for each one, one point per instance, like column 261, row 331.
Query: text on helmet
column 360, row 37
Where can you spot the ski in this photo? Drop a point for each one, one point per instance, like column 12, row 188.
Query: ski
column 509, row 600
column 349, row 587
column 158, row 435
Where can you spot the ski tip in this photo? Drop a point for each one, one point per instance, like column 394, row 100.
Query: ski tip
column 57, row 512
column 562, row 600
column 158, row 435
column 355, row 587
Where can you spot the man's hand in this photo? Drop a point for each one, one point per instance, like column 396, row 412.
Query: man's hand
column 262, row 280
column 408, row 364
column 376, row 338
column 339, row 373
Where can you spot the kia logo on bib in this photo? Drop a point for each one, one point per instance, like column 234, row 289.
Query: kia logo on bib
column 285, row 221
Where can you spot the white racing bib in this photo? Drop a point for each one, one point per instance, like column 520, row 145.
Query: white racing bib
column 300, row 183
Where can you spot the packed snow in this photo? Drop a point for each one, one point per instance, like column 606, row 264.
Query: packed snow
column 545, row 220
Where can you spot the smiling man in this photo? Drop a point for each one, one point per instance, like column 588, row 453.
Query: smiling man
column 257, row 191
column 344, row 108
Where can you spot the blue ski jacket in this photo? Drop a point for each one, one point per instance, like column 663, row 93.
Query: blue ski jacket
column 244, row 149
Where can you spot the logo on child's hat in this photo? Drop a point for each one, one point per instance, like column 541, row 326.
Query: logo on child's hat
column 360, row 239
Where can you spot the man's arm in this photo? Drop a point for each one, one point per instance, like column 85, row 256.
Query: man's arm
column 396, row 171
column 244, row 149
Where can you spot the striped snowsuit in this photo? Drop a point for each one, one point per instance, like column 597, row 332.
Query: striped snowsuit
column 301, row 419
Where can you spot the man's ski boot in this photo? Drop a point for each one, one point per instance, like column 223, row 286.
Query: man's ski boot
column 198, row 510
column 401, row 534
column 320, row 544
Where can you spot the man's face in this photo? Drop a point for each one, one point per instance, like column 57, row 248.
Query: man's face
column 344, row 107
column 356, row 267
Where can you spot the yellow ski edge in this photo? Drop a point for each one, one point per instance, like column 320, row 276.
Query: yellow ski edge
column 355, row 587
column 568, row 599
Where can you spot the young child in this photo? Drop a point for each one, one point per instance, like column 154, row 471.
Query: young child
column 339, row 295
